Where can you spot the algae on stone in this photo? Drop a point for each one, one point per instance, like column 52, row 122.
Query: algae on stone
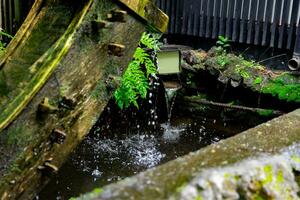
column 228, row 67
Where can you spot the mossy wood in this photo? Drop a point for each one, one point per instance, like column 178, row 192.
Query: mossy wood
column 149, row 12
column 53, row 85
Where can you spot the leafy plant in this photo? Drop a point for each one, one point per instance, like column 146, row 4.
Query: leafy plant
column 135, row 81
column 3, row 44
column 222, row 60
column 222, row 57
column 223, row 42
column 241, row 70
column 3, row 33
column 258, row 80
column 265, row 113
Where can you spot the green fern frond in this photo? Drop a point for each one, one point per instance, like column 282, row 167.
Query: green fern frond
column 135, row 81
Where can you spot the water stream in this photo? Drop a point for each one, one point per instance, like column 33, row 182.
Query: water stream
column 170, row 94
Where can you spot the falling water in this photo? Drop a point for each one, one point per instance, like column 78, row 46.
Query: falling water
column 170, row 94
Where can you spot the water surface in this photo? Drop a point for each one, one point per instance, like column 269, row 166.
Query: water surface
column 125, row 151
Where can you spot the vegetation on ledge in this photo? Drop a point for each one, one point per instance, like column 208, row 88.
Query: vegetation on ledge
column 2, row 43
column 237, row 71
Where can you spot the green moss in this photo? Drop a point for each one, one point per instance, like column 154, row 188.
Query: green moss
column 18, row 136
column 180, row 188
column 63, row 89
column 279, row 180
column 98, row 91
column 94, row 194
column 295, row 158
column 241, row 70
column 287, row 92
column 258, row 197
column 15, row 168
column 4, row 91
column 227, row 176
column 265, row 113
column 268, row 170
column 51, row 60
column 258, row 80
column 222, row 61
column 199, row 198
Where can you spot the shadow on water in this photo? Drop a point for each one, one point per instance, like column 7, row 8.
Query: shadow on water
column 125, row 143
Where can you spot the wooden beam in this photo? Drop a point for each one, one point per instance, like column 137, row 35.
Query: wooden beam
column 147, row 10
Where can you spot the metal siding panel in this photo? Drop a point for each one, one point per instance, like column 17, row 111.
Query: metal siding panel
column 190, row 22
column 184, row 20
column 169, row 13
column 202, row 18
column 216, row 18
column 266, row 22
column 196, row 24
column 250, row 20
column 236, row 20
column 222, row 17
column 208, row 19
column 229, row 18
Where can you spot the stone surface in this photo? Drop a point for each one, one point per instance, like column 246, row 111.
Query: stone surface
column 239, row 72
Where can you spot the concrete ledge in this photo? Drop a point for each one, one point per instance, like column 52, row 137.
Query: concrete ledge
column 171, row 180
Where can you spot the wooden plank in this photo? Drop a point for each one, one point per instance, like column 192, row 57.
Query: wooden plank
column 149, row 12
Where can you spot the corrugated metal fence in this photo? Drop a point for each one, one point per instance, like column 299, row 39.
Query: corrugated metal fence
column 12, row 14
column 261, row 22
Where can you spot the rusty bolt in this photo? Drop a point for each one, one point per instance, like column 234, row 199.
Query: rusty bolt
column 117, row 16
column 116, row 49
column 58, row 136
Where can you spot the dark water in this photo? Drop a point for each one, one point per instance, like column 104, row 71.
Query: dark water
column 102, row 160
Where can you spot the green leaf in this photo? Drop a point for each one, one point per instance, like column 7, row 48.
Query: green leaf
column 258, row 80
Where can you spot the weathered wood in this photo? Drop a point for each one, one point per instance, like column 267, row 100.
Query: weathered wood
column 149, row 12
column 70, row 69
column 230, row 106
column 46, row 65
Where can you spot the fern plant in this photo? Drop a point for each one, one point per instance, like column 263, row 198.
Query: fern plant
column 135, row 81
column 3, row 44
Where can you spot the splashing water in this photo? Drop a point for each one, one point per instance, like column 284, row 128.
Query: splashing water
column 172, row 133
column 125, row 151
column 140, row 151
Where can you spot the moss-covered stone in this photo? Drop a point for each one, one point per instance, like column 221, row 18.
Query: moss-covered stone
column 230, row 68
column 284, row 87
